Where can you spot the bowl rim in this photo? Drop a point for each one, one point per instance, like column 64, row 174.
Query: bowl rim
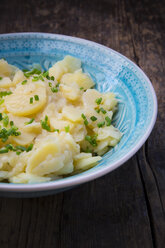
column 82, row 178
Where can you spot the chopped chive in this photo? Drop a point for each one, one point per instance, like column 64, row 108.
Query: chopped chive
column 91, row 139
column 25, row 70
column 24, row 82
column 0, row 78
column 5, row 120
column 21, row 148
column 11, row 123
column 93, row 118
column 36, row 97
column 57, row 85
column 52, row 78
column 31, row 121
column 46, row 118
column 86, row 122
column 5, row 133
column 50, row 84
column 1, row 116
column 45, row 74
column 5, row 93
column 83, row 116
column 31, row 100
column 54, row 89
column 108, row 120
column 2, row 101
column 41, row 78
column 85, row 119
column 67, row 129
column 56, row 130
column 103, row 111
column 97, row 110
column 10, row 147
column 18, row 153
column 101, row 124
column 81, row 88
column 29, row 148
column 33, row 71
column 98, row 100
column 35, row 78
column 45, row 124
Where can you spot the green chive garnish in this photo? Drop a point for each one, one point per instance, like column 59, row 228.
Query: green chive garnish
column 31, row 121
column 52, row 78
column 2, row 101
column 101, row 124
column 85, row 119
column 11, row 123
column 5, row 93
column 54, row 89
column 24, row 82
column 91, row 139
column 98, row 100
column 103, row 111
column 67, row 129
column 5, row 120
column 93, row 118
column 29, row 148
column 108, row 120
column 31, row 100
column 36, row 97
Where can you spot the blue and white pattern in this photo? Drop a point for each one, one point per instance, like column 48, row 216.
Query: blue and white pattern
column 110, row 70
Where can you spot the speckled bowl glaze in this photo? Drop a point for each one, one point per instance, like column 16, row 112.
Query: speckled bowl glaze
column 112, row 72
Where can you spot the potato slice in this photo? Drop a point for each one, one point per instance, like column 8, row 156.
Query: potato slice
column 78, row 77
column 71, row 113
column 5, row 82
column 23, row 139
column 86, row 163
column 68, row 64
column 60, row 124
column 18, row 77
column 18, row 103
column 46, row 159
column 6, row 70
column 70, row 92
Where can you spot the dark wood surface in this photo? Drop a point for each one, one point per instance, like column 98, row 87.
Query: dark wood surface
column 124, row 209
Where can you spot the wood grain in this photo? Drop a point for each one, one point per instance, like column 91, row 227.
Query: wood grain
column 124, row 209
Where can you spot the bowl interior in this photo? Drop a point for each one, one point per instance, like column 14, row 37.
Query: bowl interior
column 111, row 72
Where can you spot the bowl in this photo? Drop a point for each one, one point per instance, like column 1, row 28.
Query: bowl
column 112, row 72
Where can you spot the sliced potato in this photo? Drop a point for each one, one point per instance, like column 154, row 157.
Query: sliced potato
column 71, row 113
column 60, row 124
column 78, row 77
column 86, row 163
column 18, row 77
column 70, row 92
column 19, row 104
column 6, row 70
column 45, row 159
column 68, row 64
column 5, row 82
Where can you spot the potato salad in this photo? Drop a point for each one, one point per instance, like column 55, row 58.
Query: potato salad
column 52, row 123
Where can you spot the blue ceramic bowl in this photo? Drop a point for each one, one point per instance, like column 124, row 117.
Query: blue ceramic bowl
column 112, row 72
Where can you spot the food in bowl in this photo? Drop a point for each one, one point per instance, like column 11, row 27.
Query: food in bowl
column 52, row 123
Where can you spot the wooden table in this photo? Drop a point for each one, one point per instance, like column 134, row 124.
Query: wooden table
column 124, row 209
